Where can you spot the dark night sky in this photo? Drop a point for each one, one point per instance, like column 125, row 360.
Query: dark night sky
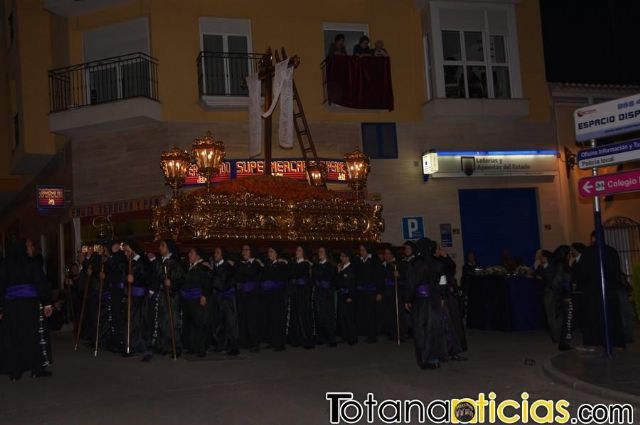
column 592, row 41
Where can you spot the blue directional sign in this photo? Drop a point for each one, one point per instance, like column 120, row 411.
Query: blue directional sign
column 412, row 227
column 609, row 154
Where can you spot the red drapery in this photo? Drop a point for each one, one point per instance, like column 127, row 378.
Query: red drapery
column 361, row 82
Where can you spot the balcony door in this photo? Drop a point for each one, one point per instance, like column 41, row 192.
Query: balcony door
column 225, row 64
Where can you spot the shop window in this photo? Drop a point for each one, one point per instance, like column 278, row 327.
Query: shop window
column 379, row 140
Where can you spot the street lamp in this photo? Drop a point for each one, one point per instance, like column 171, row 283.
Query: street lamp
column 208, row 154
column 357, row 169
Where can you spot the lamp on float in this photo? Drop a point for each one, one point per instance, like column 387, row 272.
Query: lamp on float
column 208, row 155
column 358, row 167
column 174, row 164
column 316, row 174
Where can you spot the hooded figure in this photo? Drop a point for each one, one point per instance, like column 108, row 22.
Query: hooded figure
column 25, row 302
column 424, row 300
column 138, row 281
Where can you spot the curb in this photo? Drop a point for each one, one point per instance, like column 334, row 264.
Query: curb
column 588, row 388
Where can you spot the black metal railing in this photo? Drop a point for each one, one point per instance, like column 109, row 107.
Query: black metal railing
column 102, row 81
column 224, row 73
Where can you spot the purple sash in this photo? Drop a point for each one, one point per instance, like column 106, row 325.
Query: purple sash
column 26, row 290
column 247, row 287
column 229, row 294
column 325, row 284
column 138, row 291
column 272, row 285
column 392, row 282
column 368, row 287
column 422, row 291
column 301, row 281
column 191, row 294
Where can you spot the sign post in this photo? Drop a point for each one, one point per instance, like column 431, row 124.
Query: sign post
column 597, row 217
column 615, row 117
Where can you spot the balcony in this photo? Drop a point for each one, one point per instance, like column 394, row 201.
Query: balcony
column 357, row 83
column 104, row 95
column 76, row 8
column 221, row 79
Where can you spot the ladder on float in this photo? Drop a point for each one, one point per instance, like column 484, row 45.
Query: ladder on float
column 301, row 125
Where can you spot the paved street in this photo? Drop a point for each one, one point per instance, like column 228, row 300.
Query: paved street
column 268, row 387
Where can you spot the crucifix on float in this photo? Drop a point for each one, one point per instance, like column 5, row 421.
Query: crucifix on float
column 266, row 73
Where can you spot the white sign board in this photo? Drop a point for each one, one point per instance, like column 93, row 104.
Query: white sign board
column 494, row 164
column 608, row 119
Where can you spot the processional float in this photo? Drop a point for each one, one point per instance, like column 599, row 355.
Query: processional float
column 266, row 207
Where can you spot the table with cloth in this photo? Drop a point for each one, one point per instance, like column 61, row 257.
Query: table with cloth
column 505, row 303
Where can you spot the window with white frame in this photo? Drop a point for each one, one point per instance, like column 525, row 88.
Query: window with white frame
column 475, row 51
column 225, row 60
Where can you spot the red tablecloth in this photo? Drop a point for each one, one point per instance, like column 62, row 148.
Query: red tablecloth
column 359, row 82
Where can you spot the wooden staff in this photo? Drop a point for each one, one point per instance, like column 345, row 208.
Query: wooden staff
column 95, row 352
column 395, row 275
column 170, row 313
column 85, row 295
column 129, row 309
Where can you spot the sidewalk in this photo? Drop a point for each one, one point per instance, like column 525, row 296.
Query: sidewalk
column 616, row 379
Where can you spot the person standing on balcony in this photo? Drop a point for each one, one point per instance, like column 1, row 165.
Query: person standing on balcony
column 337, row 47
column 380, row 50
column 362, row 48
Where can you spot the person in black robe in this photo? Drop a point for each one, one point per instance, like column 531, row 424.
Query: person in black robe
column 138, row 278
column 172, row 278
column 274, row 284
column 25, row 303
column 225, row 333
column 370, row 280
column 453, row 306
column 90, row 278
column 345, row 282
column 300, row 326
column 588, row 277
column 114, row 300
column 393, row 319
column 424, row 300
column 324, row 273
column 196, row 293
column 247, row 274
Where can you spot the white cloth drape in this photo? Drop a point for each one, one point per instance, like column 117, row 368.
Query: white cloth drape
column 255, row 119
column 283, row 91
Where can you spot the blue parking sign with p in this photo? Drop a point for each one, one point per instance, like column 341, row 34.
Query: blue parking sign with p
column 412, row 227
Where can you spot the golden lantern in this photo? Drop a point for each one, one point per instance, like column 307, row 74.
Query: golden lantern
column 175, row 164
column 316, row 174
column 208, row 154
column 357, row 169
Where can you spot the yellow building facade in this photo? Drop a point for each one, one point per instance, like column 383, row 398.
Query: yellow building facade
column 466, row 76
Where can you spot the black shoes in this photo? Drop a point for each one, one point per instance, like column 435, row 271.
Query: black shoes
column 147, row 358
column 431, row 365
column 233, row 352
column 563, row 346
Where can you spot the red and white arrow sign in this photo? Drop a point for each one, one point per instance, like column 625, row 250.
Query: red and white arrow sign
column 609, row 184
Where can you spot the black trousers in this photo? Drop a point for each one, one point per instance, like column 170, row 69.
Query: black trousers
column 274, row 316
column 249, row 319
column 226, row 333
column 347, row 319
column 368, row 315
column 195, row 326
column 300, row 324
column 325, row 313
